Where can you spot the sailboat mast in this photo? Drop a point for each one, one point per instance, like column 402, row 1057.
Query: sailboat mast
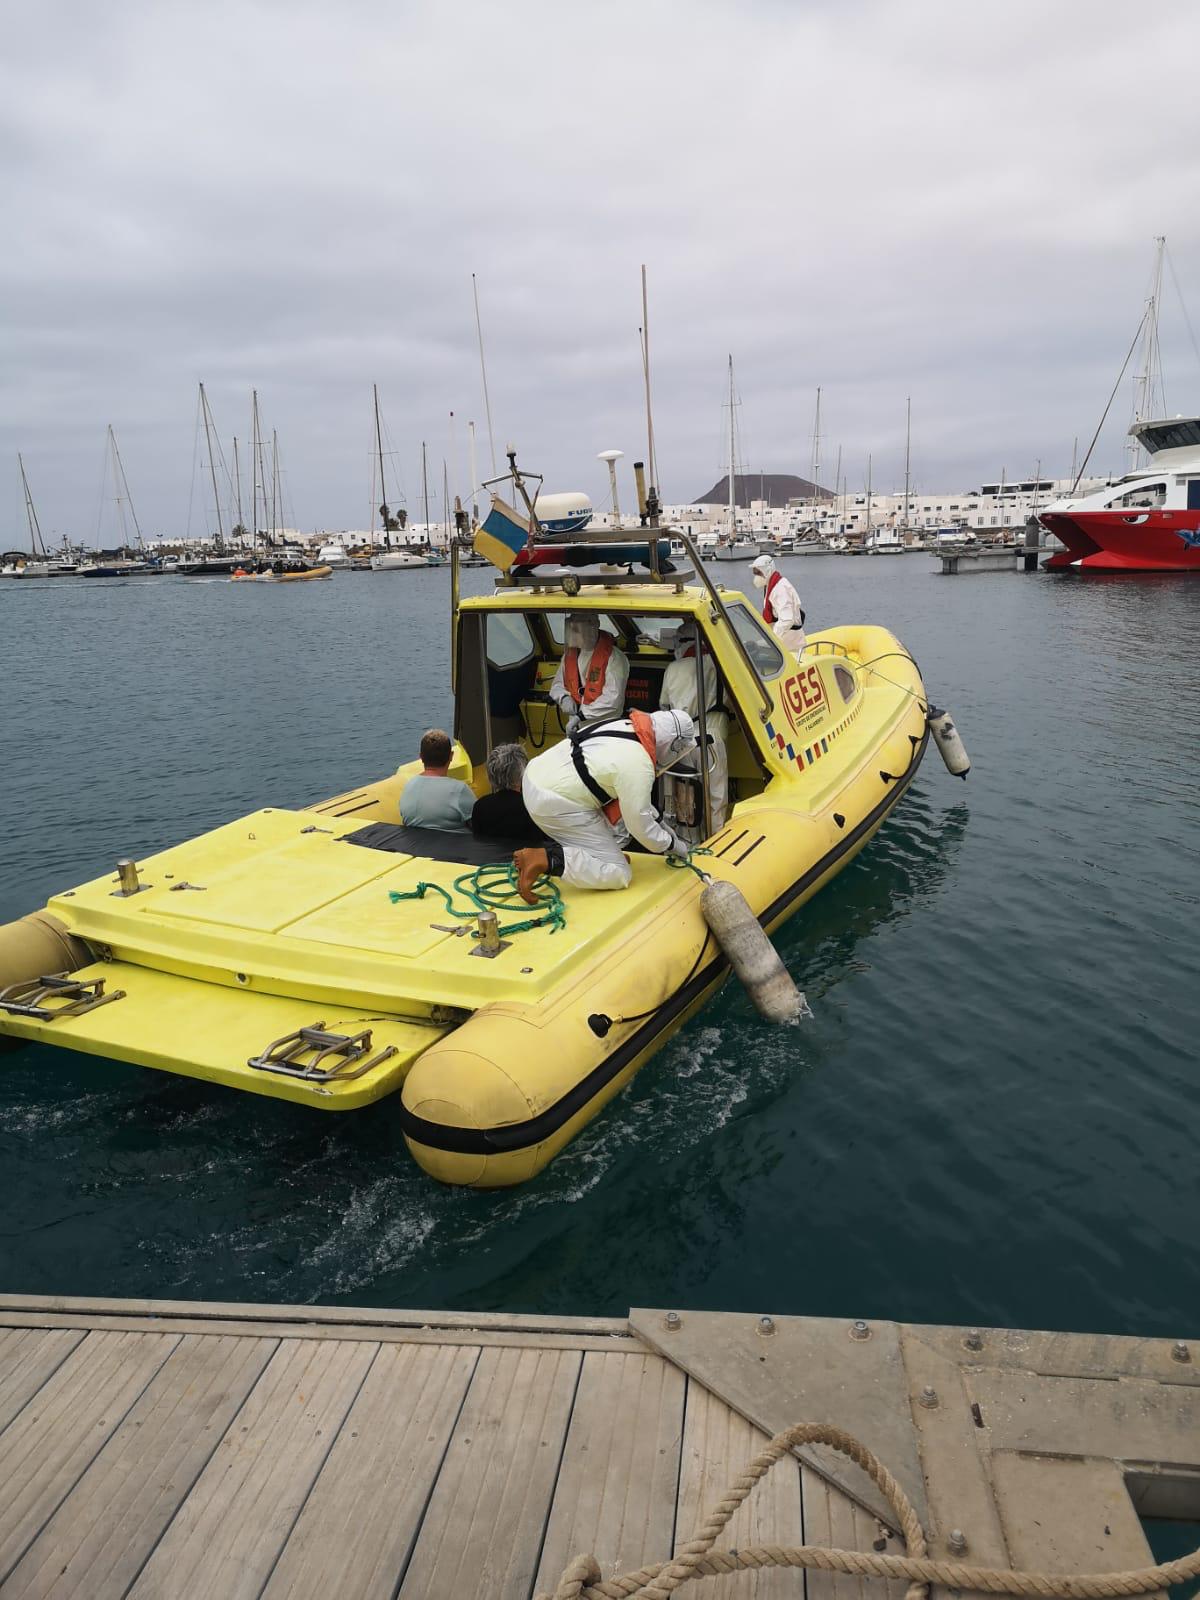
column 255, row 454
column 37, row 544
column 120, row 481
column 212, row 468
column 907, row 454
column 732, row 463
column 383, row 505
column 815, row 468
column 425, row 489
column 276, row 495
column 237, row 487
column 837, row 482
column 869, row 465
column 1150, row 377
column 446, row 502
column 474, row 506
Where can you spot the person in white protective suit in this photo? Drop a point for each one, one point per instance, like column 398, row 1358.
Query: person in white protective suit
column 680, row 692
column 577, row 791
column 782, row 611
column 589, row 685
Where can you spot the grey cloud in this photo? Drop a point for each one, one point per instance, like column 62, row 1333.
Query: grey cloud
column 951, row 201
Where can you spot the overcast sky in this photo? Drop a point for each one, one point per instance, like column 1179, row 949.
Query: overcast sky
column 955, row 201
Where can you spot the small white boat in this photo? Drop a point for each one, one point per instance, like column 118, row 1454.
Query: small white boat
column 396, row 560
column 334, row 555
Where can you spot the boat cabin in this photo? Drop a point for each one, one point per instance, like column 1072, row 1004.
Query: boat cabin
column 774, row 709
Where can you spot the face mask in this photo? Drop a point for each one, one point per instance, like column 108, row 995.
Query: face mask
column 760, row 581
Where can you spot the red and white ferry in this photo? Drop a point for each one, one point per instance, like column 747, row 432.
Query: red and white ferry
column 1147, row 521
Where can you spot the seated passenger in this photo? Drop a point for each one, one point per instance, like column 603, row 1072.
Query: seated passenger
column 589, row 685
column 432, row 799
column 502, row 814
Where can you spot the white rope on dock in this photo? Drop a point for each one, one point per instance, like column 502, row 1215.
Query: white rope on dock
column 697, row 1559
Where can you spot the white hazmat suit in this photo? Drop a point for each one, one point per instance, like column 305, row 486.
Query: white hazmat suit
column 783, row 612
column 679, row 693
column 565, row 809
column 582, row 638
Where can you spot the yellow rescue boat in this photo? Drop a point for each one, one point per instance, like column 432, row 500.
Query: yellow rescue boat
column 292, row 953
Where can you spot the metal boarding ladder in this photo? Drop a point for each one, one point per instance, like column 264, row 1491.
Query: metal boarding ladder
column 31, row 996
column 345, row 1050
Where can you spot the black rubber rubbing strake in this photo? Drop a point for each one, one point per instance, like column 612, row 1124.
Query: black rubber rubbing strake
column 520, row 1135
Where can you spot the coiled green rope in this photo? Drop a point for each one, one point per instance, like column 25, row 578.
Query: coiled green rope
column 494, row 888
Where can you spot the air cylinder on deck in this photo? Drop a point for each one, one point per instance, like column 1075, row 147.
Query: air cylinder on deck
column 750, row 953
column 951, row 748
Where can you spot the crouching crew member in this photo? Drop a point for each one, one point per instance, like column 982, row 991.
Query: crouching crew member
column 679, row 693
column 577, row 791
column 782, row 611
column 589, row 685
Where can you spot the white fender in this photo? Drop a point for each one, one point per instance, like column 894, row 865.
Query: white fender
column 950, row 746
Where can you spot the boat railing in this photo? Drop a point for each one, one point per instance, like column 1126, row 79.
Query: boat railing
column 831, row 647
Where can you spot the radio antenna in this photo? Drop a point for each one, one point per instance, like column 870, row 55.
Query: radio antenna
column 651, row 460
column 487, row 404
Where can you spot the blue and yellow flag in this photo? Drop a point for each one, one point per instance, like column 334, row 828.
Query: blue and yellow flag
column 502, row 535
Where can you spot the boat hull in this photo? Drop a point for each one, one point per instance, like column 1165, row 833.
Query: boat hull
column 287, row 920
column 1125, row 541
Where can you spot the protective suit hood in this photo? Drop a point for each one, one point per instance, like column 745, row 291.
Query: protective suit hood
column 582, row 631
column 762, row 570
column 674, row 736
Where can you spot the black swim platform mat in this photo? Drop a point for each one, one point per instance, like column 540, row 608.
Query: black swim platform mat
column 434, row 844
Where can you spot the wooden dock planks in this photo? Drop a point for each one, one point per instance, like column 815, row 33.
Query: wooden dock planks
column 617, row 1485
column 171, row 1452
column 101, row 1536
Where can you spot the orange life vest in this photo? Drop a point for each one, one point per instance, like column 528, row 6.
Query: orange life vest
column 597, row 668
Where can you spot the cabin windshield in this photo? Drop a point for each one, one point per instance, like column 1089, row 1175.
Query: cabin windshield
column 1179, row 433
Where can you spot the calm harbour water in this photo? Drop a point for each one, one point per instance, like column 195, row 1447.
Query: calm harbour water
column 992, row 1117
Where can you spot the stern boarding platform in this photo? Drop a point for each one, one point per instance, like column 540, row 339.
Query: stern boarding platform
column 179, row 1449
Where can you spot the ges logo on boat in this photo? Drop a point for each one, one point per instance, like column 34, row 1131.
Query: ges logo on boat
column 802, row 695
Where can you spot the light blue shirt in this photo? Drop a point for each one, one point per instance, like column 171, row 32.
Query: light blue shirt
column 443, row 803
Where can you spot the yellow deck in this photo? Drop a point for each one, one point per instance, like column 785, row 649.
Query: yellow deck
column 274, row 922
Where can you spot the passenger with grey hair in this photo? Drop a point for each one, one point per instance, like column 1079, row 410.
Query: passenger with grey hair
column 502, row 814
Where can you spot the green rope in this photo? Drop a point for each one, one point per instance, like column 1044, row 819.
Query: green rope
column 686, row 861
column 494, row 888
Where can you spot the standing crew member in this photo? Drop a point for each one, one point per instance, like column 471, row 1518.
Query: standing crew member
column 576, row 792
column 782, row 610
column 679, row 686
column 589, row 685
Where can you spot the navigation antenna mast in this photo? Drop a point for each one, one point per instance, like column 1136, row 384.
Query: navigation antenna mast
column 907, row 456
column 732, row 463
column 1148, row 383
column 652, row 499
column 212, row 468
column 36, row 543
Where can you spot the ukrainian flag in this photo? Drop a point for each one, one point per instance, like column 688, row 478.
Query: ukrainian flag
column 502, row 535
